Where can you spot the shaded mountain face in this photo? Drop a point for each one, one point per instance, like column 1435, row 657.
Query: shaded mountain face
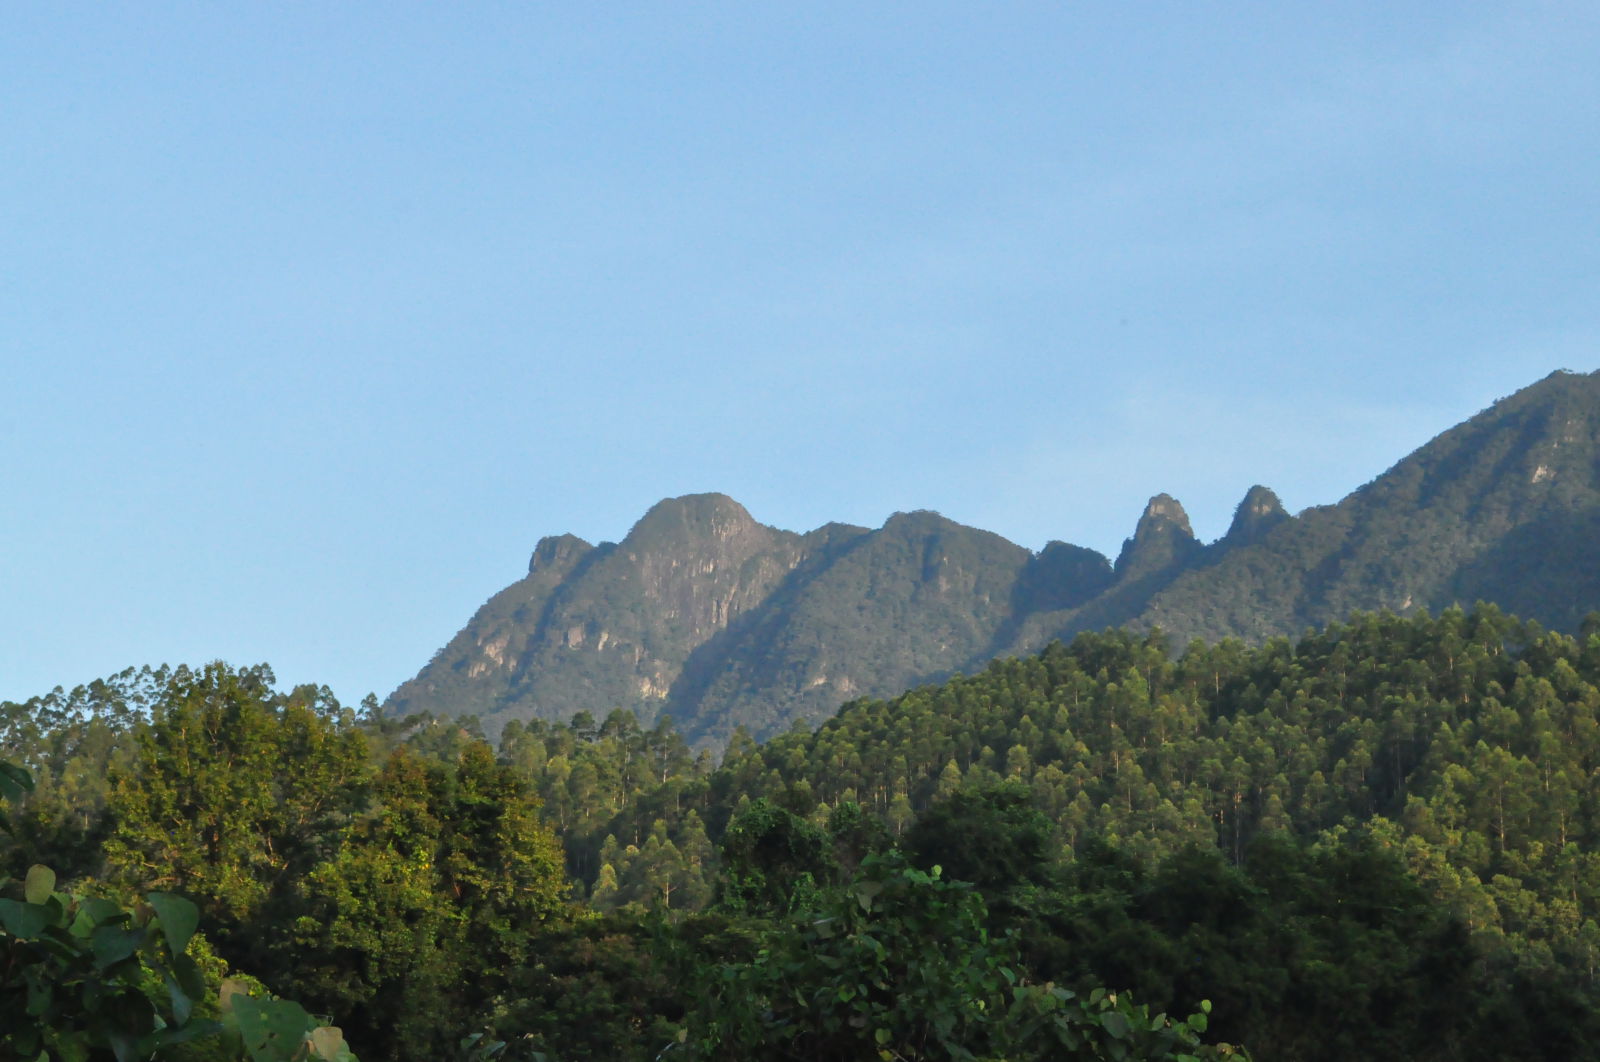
column 1257, row 514
column 1500, row 508
column 598, row 628
column 704, row 614
column 1161, row 542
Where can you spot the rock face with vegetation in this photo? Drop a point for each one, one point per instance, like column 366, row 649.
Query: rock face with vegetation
column 708, row 616
column 1502, row 508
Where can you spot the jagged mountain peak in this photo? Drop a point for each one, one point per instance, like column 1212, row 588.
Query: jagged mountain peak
column 707, row 614
column 691, row 517
column 557, row 552
column 1161, row 540
column 1161, row 512
column 1502, row 507
column 1259, row 512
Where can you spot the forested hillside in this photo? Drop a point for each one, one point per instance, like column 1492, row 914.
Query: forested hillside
column 1502, row 508
column 1463, row 748
column 1378, row 841
column 703, row 614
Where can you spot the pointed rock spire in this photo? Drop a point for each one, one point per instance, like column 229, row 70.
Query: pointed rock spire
column 1164, row 511
column 1162, row 539
column 1258, row 513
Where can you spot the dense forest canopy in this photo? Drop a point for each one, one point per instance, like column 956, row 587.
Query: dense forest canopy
column 1375, row 841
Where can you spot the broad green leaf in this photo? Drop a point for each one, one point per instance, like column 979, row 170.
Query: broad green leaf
column 25, row 920
column 123, row 1045
column 41, row 993
column 866, row 893
column 179, row 919
column 14, row 781
column 40, row 884
column 94, row 911
column 1115, row 1024
column 124, row 1019
column 112, row 944
column 189, row 975
column 273, row 1029
column 182, row 1003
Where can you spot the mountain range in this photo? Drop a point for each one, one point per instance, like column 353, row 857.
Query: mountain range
column 704, row 614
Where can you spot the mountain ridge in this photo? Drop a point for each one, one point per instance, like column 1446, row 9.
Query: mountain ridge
column 703, row 613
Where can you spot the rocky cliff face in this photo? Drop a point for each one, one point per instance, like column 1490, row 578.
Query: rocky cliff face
column 610, row 626
column 703, row 613
column 918, row 598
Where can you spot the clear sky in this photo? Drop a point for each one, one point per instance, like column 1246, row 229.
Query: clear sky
column 315, row 317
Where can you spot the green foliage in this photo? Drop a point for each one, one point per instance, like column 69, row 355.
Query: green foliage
column 773, row 861
column 76, row 972
column 1319, row 952
column 399, row 894
column 237, row 792
column 414, row 926
column 991, row 836
column 1394, row 813
column 624, row 797
column 70, row 742
column 897, row 965
column 614, row 988
column 1469, row 744
column 83, row 978
column 265, row 1029
column 14, row 782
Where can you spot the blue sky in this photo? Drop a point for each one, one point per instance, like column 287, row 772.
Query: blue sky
column 314, row 318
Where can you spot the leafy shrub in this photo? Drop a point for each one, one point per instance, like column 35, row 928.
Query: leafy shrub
column 82, row 978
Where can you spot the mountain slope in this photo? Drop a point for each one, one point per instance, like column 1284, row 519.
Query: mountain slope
column 1501, row 508
column 916, row 599
column 704, row 614
column 598, row 628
